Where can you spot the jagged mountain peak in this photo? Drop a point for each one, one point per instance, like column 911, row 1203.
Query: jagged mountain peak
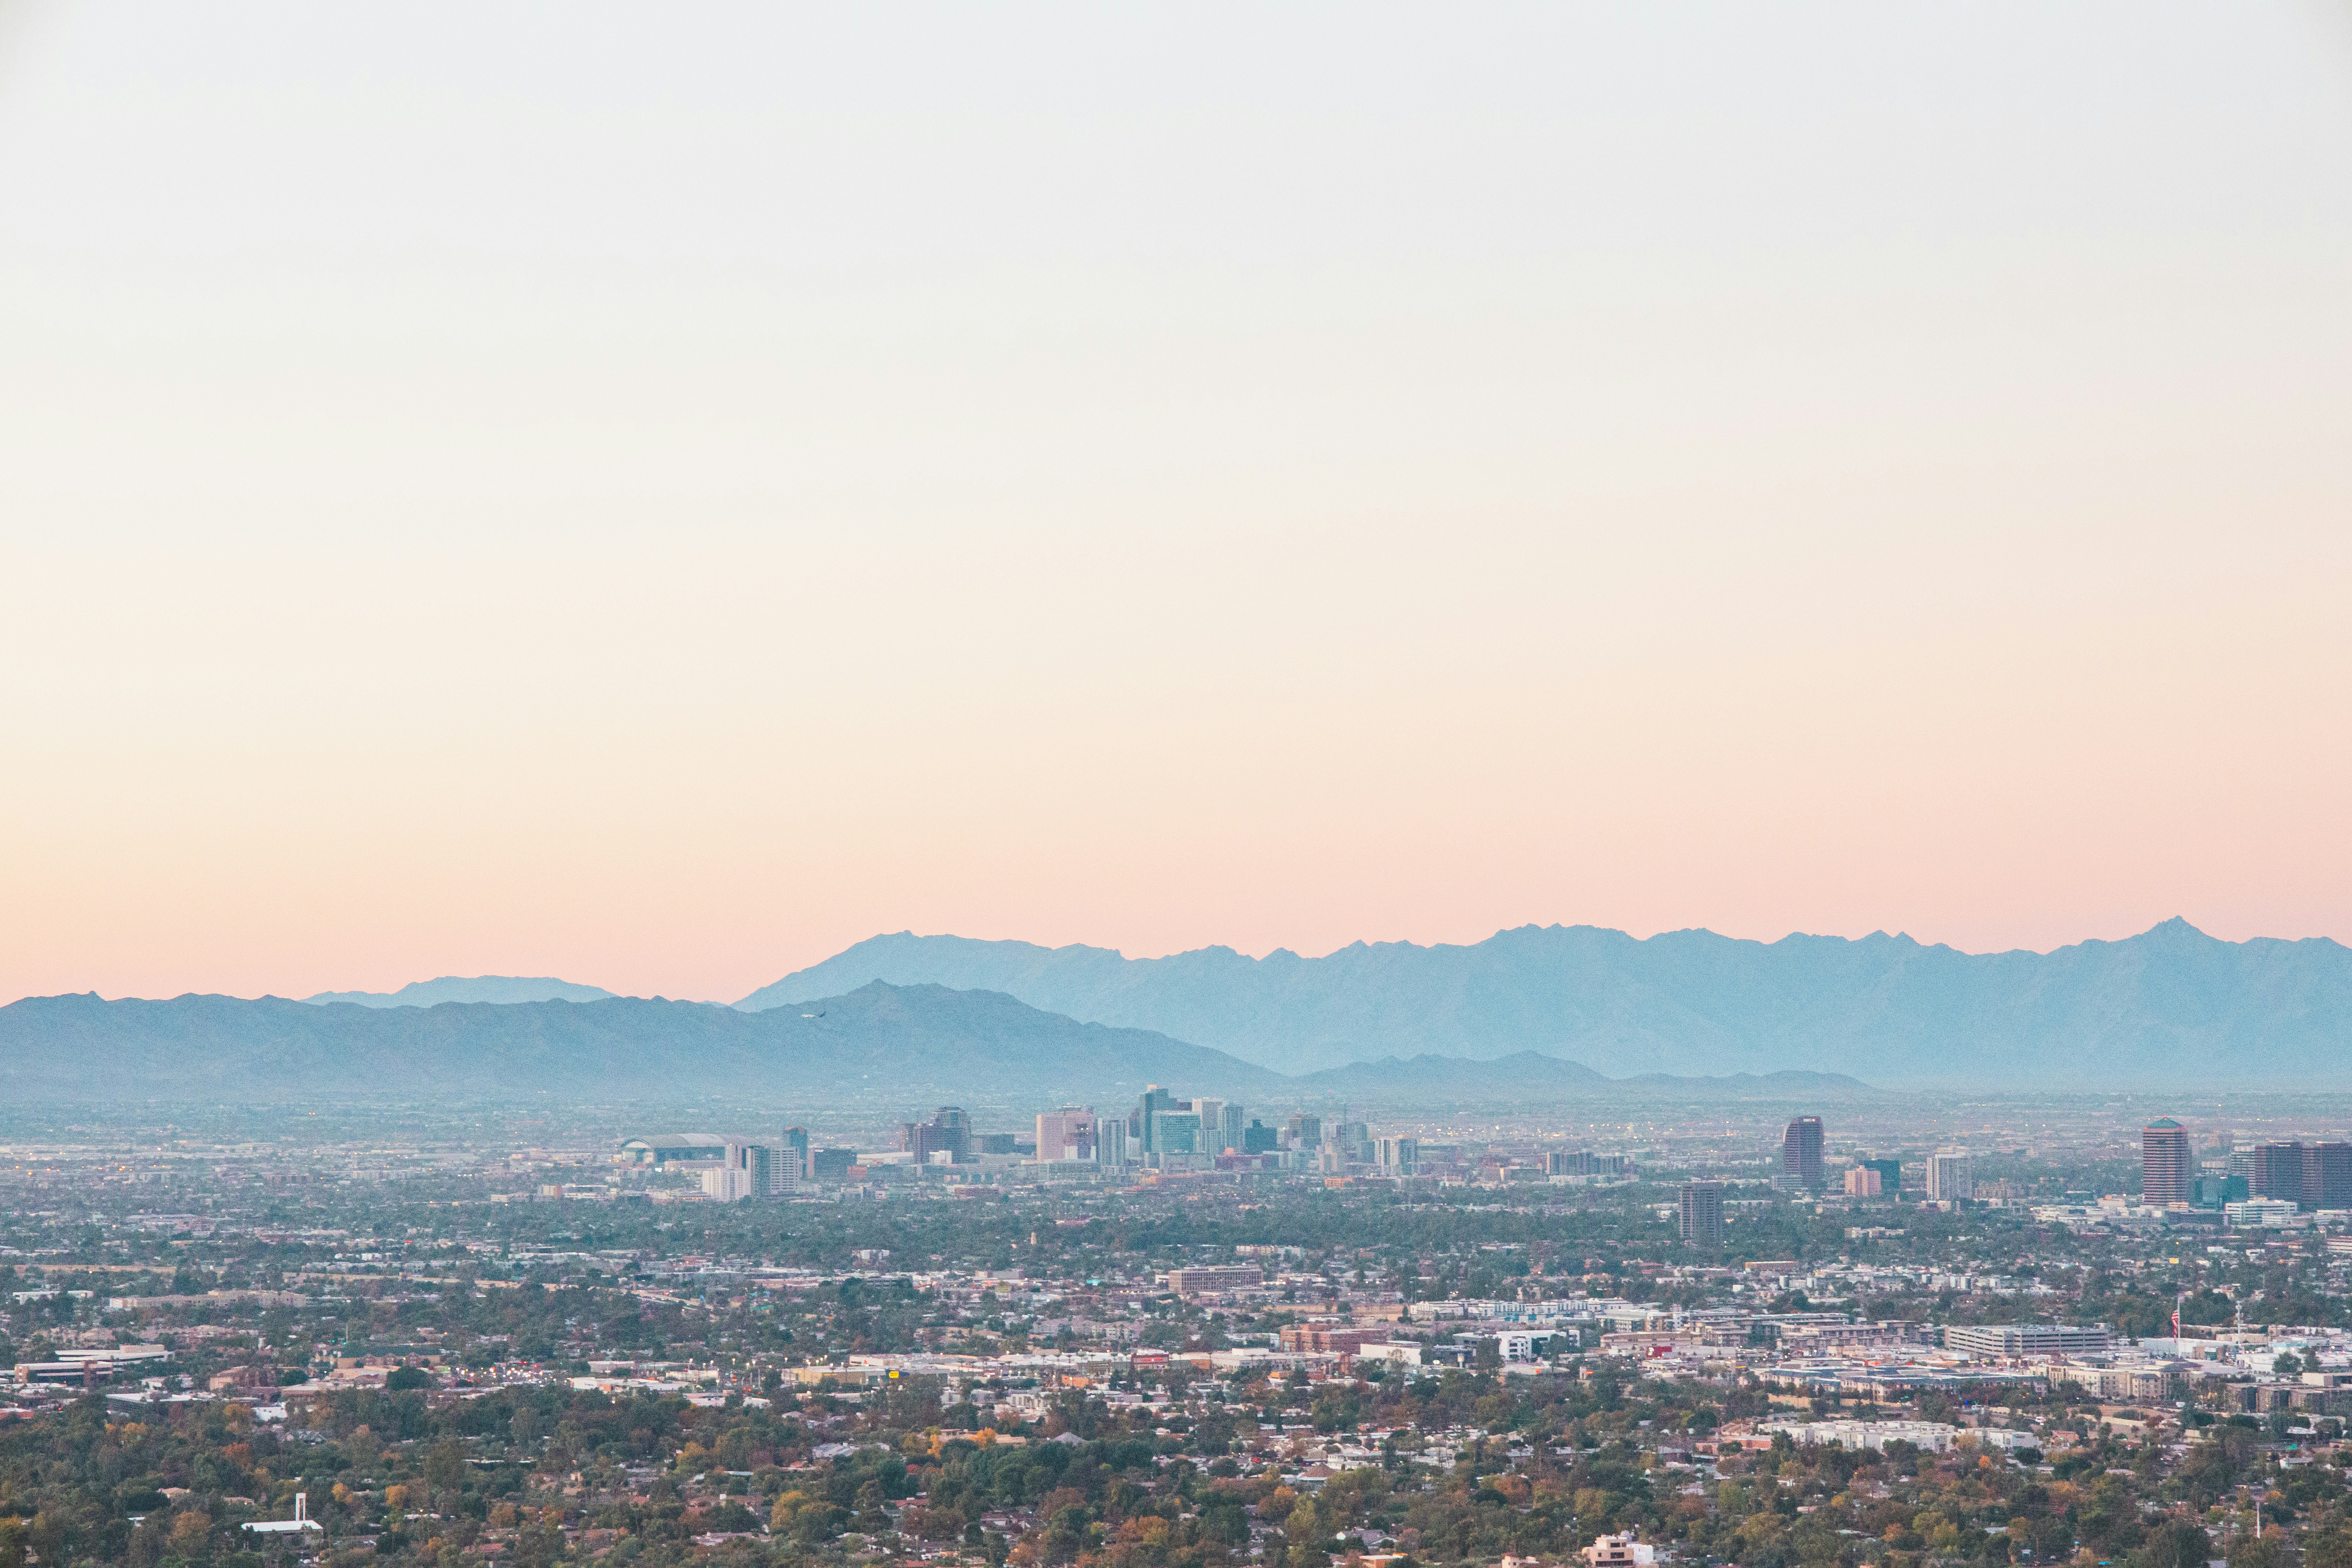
column 2171, row 1003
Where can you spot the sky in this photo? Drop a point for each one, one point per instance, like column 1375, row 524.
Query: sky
column 654, row 494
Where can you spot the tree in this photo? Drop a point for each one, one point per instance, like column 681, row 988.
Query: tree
column 2176, row 1546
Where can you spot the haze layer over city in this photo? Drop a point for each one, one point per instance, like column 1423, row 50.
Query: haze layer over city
column 1308, row 787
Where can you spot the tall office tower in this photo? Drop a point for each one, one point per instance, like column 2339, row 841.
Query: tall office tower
column 1066, row 1134
column 2242, row 1163
column 2328, row 1175
column 1212, row 1113
column 1702, row 1214
column 947, row 1132
column 1396, row 1156
column 1233, row 1132
column 1801, row 1154
column 1890, row 1176
column 1305, row 1131
column 1354, row 1138
column 2277, row 1172
column 794, row 1166
column 1175, row 1132
column 1156, row 1102
column 1257, row 1138
column 2164, row 1164
column 1862, row 1181
column 1947, row 1177
column 1110, row 1144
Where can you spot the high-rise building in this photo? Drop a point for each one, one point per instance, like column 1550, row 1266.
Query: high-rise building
column 1175, row 1132
column 746, row 1170
column 1396, row 1156
column 2328, row 1175
column 1862, row 1181
column 1702, row 1214
column 2277, row 1172
column 948, row 1133
column 1890, row 1176
column 1305, row 1131
column 1221, row 1124
column 1157, row 1103
column 2164, row 1164
column 1067, row 1133
column 1947, row 1177
column 832, row 1164
column 1110, row 1144
column 2213, row 1191
column 2241, row 1161
column 1257, row 1138
column 1354, row 1139
column 1801, row 1154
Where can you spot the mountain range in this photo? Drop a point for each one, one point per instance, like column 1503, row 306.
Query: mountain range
column 879, row 1046
column 2171, row 1005
column 1555, row 1013
column 479, row 988
column 901, row 1045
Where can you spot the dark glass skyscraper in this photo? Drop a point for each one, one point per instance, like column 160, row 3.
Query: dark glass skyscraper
column 1801, row 1154
column 1702, row 1214
column 2277, row 1172
column 2328, row 1175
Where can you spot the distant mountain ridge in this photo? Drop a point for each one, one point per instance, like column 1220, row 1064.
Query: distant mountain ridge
column 2171, row 1005
column 905, row 1047
column 503, row 989
column 923, row 1043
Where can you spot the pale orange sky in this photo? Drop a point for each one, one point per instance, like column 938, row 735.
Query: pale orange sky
column 656, row 494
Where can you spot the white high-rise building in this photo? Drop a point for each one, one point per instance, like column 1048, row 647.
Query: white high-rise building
column 748, row 1170
column 1111, row 1142
column 737, row 1175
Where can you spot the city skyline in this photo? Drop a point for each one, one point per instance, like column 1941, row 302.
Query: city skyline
column 1039, row 786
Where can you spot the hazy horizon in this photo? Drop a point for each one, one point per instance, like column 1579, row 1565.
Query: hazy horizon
column 731, row 998
column 658, row 495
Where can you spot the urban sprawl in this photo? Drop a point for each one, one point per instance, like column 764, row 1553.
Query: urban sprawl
column 1179, row 1336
